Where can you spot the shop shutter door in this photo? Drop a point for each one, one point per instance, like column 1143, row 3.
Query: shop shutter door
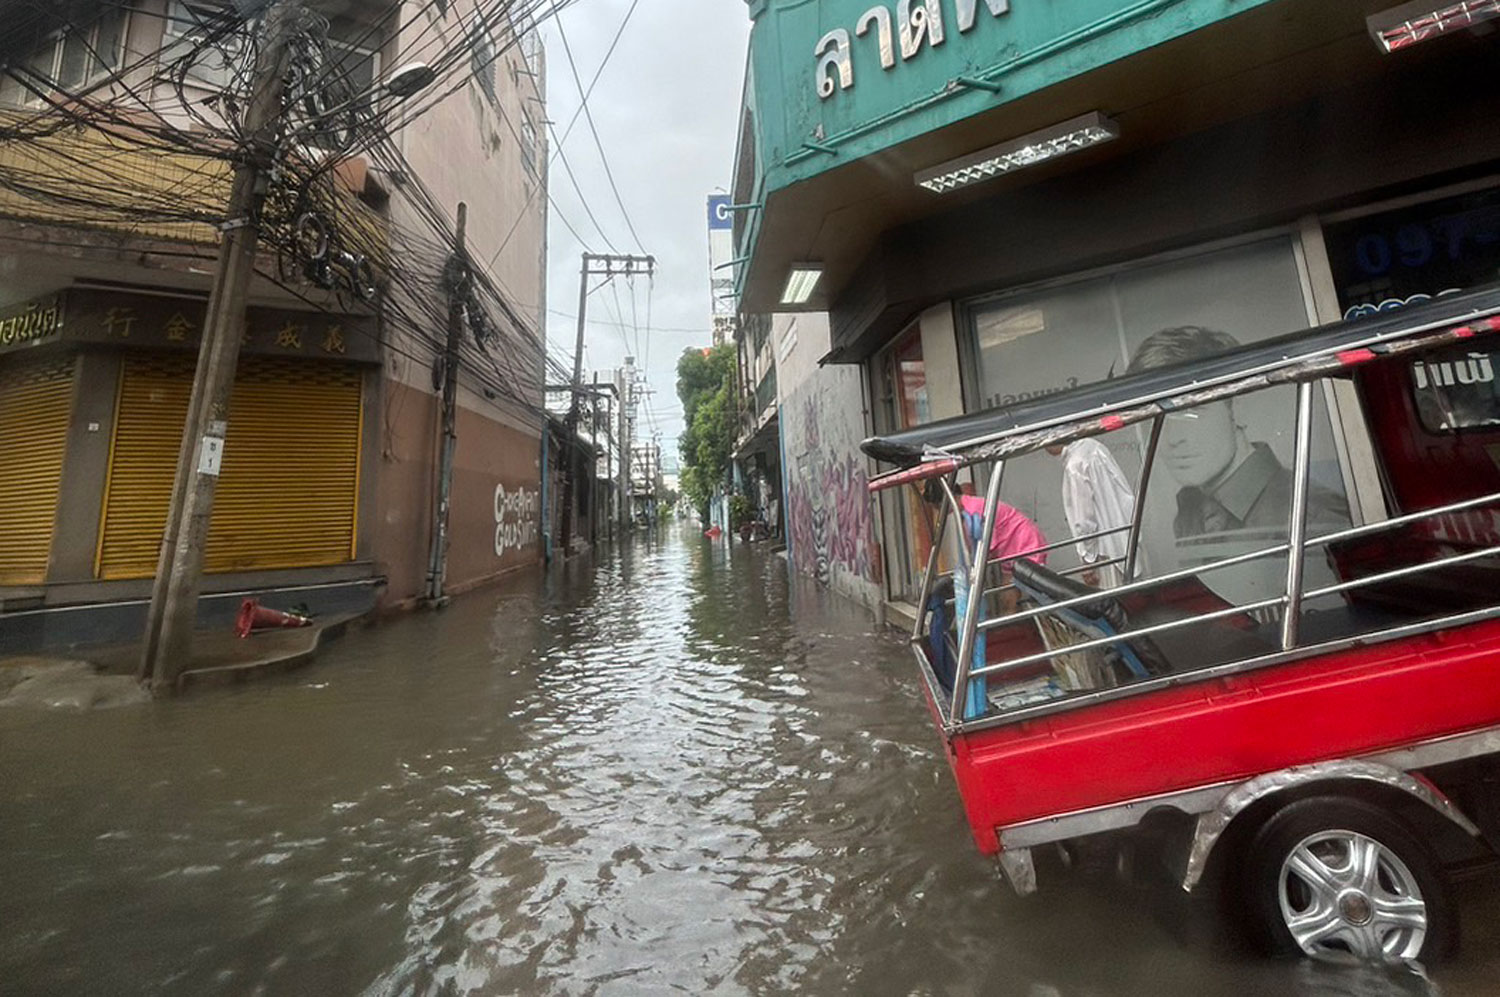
column 291, row 468
column 149, row 412
column 290, row 479
column 35, row 399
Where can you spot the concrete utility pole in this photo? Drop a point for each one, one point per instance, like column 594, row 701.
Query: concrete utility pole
column 458, row 282
column 594, row 467
column 627, row 437
column 609, row 457
column 168, row 641
column 600, row 265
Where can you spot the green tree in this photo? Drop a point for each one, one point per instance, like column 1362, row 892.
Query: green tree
column 705, row 386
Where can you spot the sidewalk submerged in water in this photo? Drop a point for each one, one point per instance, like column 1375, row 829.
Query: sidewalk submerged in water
column 103, row 675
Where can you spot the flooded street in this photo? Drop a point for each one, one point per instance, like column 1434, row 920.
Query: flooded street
column 680, row 775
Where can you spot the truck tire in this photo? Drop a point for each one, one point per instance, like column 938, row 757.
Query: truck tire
column 1333, row 876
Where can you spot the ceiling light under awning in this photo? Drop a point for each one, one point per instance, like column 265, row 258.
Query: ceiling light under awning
column 800, row 283
column 1406, row 25
column 1037, row 147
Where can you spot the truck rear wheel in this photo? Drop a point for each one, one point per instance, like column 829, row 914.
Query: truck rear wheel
column 1337, row 877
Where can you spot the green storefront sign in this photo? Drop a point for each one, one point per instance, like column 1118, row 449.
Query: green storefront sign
column 838, row 80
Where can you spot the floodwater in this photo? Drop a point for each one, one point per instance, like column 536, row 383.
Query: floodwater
column 679, row 773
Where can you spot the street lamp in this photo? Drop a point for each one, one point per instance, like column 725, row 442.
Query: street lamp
column 409, row 79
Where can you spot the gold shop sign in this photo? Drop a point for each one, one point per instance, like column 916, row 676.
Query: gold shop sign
column 31, row 323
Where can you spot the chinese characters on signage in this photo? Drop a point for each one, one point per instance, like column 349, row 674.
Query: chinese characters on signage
column 145, row 322
column 148, row 322
column 917, row 22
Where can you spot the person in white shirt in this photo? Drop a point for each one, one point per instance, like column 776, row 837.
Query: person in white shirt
column 1097, row 497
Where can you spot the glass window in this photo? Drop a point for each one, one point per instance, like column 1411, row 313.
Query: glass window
column 1384, row 261
column 904, row 404
column 355, row 66
column 911, row 381
column 189, row 28
column 1455, row 389
column 1042, row 342
column 70, row 59
column 74, row 64
column 482, row 55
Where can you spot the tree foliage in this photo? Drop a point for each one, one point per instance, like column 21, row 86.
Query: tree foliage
column 705, row 385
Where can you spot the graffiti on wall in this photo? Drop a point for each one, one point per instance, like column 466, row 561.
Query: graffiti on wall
column 829, row 518
column 515, row 519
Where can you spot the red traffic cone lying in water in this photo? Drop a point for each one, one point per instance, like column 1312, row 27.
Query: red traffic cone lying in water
column 254, row 616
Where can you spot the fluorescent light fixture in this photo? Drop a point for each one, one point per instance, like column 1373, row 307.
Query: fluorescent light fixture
column 1028, row 150
column 800, row 283
column 1406, row 25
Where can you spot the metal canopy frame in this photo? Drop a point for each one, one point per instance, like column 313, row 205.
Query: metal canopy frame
column 973, row 559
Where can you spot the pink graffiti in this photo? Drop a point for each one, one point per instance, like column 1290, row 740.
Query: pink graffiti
column 831, row 521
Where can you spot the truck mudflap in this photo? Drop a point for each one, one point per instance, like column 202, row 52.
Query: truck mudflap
column 1019, row 869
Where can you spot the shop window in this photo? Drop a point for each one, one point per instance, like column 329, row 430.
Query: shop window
column 904, row 404
column 1039, row 343
column 1384, row 261
column 911, row 382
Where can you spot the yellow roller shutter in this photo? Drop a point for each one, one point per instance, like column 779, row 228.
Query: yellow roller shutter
column 290, row 480
column 149, row 411
column 291, row 468
column 35, row 399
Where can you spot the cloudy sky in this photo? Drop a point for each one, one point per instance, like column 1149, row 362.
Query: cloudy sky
column 665, row 109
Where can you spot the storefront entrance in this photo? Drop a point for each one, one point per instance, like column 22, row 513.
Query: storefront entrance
column 290, row 483
column 35, row 399
column 904, row 403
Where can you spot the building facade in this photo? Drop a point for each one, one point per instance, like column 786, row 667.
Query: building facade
column 831, row 534
column 483, row 146
column 999, row 200
column 758, row 429
column 329, row 463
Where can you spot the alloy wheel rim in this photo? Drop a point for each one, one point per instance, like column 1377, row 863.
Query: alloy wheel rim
column 1345, row 894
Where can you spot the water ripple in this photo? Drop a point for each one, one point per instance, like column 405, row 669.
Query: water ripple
column 681, row 775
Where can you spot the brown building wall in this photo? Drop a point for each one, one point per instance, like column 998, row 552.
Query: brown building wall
column 495, row 517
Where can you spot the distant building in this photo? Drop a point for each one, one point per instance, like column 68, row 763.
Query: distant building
column 107, row 241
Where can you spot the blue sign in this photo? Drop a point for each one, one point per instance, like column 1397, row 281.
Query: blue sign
column 719, row 215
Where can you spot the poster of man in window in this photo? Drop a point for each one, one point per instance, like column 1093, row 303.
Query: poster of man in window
column 1221, row 482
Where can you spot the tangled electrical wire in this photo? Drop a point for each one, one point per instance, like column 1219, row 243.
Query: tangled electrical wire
column 73, row 152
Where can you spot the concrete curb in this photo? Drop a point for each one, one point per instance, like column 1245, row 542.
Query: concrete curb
column 274, row 663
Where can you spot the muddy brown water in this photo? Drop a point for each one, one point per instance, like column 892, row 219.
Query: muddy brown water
column 676, row 773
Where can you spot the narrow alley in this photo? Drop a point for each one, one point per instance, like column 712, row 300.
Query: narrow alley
column 682, row 774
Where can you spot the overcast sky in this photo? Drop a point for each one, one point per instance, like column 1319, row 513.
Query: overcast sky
column 666, row 110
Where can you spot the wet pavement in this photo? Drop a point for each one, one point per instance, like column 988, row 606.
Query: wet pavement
column 676, row 774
